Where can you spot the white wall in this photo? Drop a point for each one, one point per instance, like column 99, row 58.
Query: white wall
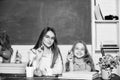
column 23, row 50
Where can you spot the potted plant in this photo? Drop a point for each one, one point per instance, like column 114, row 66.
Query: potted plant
column 107, row 63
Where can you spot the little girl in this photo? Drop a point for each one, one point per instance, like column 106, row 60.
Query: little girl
column 79, row 59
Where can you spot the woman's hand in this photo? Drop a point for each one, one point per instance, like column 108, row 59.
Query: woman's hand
column 45, row 70
column 35, row 55
column 39, row 53
column 37, row 72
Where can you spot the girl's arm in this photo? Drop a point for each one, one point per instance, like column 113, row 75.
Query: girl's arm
column 71, row 65
column 88, row 67
column 70, row 61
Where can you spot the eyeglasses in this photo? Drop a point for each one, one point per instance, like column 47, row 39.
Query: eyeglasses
column 81, row 49
column 49, row 37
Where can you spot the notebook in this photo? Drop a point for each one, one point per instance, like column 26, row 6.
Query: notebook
column 80, row 75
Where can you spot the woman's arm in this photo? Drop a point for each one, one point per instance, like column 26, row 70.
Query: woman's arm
column 34, row 57
column 58, row 67
column 31, row 55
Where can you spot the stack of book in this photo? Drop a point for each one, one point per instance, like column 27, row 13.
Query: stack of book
column 80, row 75
column 12, row 68
column 110, row 47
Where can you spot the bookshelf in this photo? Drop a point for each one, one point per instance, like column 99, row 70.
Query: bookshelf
column 106, row 21
column 105, row 29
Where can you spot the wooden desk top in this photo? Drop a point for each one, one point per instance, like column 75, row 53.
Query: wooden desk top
column 23, row 77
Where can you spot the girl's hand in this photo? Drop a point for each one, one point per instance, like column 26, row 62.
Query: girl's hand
column 70, row 56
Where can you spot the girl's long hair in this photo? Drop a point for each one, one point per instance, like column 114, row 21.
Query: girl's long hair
column 54, row 47
column 87, row 57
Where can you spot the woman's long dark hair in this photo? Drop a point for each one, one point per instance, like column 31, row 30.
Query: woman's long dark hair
column 54, row 47
column 87, row 57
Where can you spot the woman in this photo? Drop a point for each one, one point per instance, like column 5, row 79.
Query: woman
column 45, row 56
column 79, row 59
column 5, row 48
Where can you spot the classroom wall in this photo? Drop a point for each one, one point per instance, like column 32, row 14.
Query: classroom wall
column 106, row 9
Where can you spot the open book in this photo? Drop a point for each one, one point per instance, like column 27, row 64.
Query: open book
column 79, row 75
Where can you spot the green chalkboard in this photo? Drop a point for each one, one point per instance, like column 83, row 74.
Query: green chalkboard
column 23, row 20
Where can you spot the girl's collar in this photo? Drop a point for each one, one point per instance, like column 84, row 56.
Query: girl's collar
column 77, row 60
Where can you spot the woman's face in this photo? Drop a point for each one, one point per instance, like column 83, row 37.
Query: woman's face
column 48, row 39
column 79, row 50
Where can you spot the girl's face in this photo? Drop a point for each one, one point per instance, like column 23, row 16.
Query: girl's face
column 48, row 39
column 79, row 50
